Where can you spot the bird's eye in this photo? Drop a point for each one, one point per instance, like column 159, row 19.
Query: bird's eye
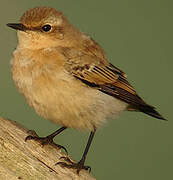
column 46, row 28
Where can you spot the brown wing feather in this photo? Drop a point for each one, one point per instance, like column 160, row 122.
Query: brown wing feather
column 104, row 76
column 118, row 87
column 99, row 73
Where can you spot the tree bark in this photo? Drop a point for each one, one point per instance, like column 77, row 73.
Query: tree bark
column 30, row 160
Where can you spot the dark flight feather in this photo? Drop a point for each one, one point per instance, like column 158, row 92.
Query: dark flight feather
column 98, row 73
column 117, row 87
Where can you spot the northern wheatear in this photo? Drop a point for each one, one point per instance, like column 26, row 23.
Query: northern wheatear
column 65, row 76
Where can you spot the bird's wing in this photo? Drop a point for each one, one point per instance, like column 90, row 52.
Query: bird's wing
column 109, row 81
column 102, row 76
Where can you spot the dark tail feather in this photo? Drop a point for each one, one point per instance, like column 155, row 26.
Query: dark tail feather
column 150, row 110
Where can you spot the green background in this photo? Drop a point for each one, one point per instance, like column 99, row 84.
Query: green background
column 137, row 37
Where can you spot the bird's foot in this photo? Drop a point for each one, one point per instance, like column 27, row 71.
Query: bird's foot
column 44, row 140
column 73, row 165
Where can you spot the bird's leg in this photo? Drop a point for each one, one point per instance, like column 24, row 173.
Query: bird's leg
column 48, row 139
column 79, row 165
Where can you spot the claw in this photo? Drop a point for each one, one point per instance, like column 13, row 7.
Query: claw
column 72, row 165
column 31, row 137
column 67, row 159
column 44, row 141
column 61, row 147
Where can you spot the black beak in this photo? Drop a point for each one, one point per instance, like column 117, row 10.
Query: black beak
column 17, row 26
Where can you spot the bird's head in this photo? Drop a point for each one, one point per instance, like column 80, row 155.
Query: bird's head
column 44, row 27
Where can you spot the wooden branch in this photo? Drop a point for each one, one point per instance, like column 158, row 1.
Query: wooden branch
column 30, row 160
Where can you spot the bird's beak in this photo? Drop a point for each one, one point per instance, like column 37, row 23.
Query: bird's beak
column 17, row 26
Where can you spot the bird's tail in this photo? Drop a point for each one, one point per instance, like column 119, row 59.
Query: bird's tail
column 150, row 110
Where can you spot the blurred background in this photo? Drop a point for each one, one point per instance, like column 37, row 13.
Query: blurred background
column 137, row 38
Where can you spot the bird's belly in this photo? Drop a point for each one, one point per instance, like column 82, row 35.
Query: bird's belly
column 68, row 101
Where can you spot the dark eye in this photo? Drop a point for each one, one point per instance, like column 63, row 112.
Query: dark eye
column 46, row 28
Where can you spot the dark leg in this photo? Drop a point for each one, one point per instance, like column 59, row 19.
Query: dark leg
column 80, row 164
column 48, row 139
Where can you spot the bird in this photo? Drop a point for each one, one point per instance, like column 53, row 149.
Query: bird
column 66, row 77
